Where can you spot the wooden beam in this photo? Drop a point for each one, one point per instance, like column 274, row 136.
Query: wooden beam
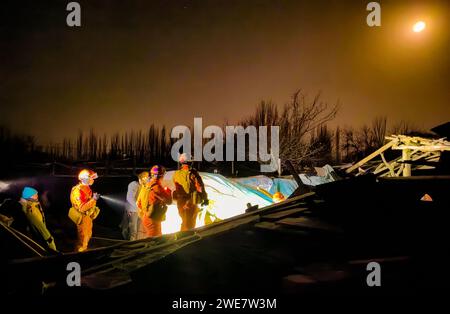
column 406, row 156
column 388, row 165
column 431, row 148
column 371, row 156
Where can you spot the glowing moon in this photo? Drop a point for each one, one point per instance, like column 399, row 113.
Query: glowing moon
column 419, row 26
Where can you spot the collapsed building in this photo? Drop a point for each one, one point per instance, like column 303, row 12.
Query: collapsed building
column 318, row 240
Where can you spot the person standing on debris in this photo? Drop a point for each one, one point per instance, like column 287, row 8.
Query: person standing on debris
column 132, row 221
column 189, row 193
column 84, row 207
column 35, row 215
column 152, row 202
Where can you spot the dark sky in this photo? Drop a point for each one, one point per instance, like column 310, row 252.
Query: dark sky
column 134, row 62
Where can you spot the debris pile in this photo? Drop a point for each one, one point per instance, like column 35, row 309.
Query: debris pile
column 417, row 153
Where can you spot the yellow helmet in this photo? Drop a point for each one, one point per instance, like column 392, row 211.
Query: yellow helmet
column 143, row 175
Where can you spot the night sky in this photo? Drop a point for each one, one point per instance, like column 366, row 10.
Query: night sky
column 133, row 63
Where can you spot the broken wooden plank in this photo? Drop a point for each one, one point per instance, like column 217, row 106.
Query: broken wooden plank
column 388, row 165
column 371, row 156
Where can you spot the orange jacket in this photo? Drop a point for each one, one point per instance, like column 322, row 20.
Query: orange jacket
column 81, row 198
column 154, row 194
column 160, row 193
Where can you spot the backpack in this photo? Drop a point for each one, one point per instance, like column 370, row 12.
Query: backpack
column 155, row 210
column 189, row 180
column 182, row 178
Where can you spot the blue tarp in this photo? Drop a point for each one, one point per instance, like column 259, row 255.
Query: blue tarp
column 227, row 199
column 272, row 185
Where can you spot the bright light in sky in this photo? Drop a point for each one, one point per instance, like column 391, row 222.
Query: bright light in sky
column 419, row 26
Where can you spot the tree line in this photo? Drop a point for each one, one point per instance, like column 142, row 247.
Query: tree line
column 141, row 146
column 305, row 138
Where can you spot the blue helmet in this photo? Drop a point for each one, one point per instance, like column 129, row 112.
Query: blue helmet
column 28, row 192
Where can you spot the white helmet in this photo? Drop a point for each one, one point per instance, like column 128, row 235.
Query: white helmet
column 85, row 175
column 184, row 159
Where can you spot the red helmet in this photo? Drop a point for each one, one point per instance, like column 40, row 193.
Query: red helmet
column 87, row 174
column 157, row 171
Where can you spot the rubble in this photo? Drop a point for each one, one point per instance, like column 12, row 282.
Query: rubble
column 417, row 153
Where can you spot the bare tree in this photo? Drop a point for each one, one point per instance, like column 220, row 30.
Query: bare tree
column 379, row 131
column 337, row 145
column 367, row 139
column 297, row 120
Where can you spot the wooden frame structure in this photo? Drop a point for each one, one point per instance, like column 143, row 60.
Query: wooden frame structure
column 415, row 150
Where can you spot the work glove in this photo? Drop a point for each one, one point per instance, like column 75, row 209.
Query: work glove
column 96, row 196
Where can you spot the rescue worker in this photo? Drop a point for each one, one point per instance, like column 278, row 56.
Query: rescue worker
column 189, row 193
column 152, row 202
column 132, row 221
column 35, row 215
column 84, row 207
